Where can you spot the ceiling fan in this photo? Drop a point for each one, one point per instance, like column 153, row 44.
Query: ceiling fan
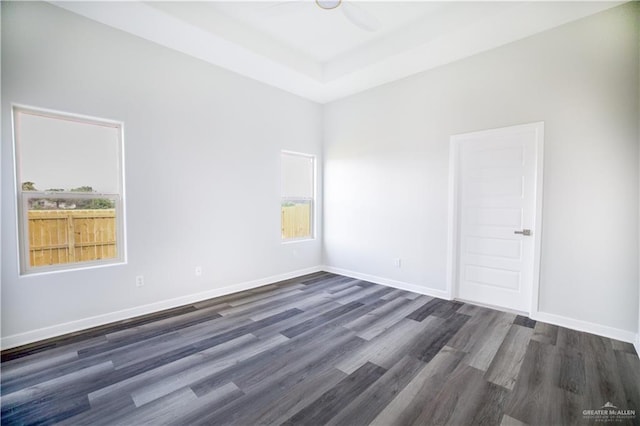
column 357, row 15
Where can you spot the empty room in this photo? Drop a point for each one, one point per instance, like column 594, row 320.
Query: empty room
column 325, row 212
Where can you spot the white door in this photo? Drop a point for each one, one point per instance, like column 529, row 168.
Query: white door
column 497, row 215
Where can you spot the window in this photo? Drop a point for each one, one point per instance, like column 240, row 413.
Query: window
column 69, row 178
column 298, row 192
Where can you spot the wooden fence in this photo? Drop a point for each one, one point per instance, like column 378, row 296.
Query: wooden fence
column 66, row 236
column 296, row 221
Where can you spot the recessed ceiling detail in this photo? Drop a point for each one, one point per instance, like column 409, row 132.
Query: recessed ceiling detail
column 324, row 55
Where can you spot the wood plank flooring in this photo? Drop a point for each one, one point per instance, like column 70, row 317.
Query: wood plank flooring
column 322, row 350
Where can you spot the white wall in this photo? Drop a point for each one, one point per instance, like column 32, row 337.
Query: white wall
column 386, row 165
column 202, row 153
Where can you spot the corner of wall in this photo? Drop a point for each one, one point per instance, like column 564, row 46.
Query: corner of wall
column 401, row 285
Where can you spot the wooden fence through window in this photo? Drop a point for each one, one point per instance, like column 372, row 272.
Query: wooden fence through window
column 296, row 221
column 67, row 236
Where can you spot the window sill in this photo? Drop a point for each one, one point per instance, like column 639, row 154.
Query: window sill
column 297, row 240
column 45, row 270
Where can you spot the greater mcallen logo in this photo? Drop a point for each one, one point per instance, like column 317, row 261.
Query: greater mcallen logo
column 609, row 413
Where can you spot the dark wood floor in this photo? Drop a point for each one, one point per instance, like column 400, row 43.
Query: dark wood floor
column 322, row 349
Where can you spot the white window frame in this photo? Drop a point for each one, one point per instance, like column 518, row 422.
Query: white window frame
column 312, row 200
column 22, row 197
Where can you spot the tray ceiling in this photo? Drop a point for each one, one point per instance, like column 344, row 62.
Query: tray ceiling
column 320, row 54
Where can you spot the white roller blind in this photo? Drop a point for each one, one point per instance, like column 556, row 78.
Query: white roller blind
column 297, row 176
column 66, row 154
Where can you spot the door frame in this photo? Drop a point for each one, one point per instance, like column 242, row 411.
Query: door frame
column 452, row 288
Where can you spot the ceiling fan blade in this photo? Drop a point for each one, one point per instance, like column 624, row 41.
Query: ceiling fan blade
column 360, row 17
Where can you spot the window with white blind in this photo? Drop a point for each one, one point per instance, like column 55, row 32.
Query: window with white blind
column 69, row 176
column 297, row 196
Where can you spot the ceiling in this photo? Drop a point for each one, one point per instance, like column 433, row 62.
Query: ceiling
column 320, row 54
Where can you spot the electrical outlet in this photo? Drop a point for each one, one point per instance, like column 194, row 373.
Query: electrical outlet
column 397, row 262
column 198, row 271
column 139, row 281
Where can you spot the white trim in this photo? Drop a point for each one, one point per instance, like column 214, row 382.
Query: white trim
column 588, row 327
column 537, row 237
column 18, row 222
column 85, row 323
column 452, row 220
column 297, row 240
column 22, row 211
column 601, row 330
column 12, row 341
column 299, row 153
column 65, row 115
column 313, row 199
column 452, row 231
column 415, row 288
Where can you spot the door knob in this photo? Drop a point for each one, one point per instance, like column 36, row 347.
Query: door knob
column 523, row 232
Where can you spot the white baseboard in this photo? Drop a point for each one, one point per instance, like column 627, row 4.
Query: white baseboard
column 85, row 323
column 57, row 330
column 441, row 294
column 589, row 327
column 601, row 330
